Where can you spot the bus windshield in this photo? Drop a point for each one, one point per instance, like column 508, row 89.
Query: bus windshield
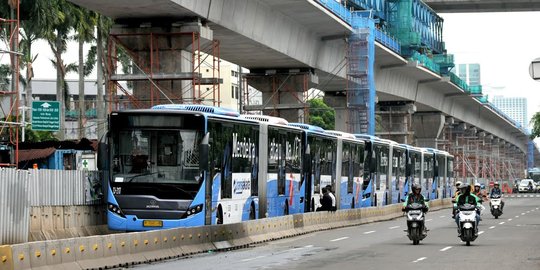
column 145, row 155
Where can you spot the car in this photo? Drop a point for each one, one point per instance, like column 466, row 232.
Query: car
column 524, row 186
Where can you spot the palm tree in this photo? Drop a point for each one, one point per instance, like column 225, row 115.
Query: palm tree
column 85, row 24
column 104, row 25
column 57, row 28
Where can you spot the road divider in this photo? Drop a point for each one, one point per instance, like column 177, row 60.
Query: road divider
column 124, row 249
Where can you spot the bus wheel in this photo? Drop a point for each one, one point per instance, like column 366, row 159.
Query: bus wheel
column 312, row 208
column 219, row 215
column 286, row 211
column 252, row 212
column 352, row 203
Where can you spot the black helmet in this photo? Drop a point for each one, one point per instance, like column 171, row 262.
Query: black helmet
column 416, row 187
column 465, row 188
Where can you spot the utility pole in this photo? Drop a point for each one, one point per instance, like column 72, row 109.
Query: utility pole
column 240, row 90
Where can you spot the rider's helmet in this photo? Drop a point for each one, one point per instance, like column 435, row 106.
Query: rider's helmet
column 496, row 184
column 458, row 183
column 416, row 188
column 477, row 186
column 465, row 188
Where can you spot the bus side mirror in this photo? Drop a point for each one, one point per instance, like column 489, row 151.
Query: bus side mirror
column 204, row 151
column 103, row 153
column 307, row 160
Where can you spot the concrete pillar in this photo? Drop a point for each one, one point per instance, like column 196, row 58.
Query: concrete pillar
column 165, row 60
column 339, row 103
column 284, row 92
column 394, row 121
column 427, row 128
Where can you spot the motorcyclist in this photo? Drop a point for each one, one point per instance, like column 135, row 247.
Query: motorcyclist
column 496, row 191
column 456, row 194
column 478, row 192
column 416, row 197
column 464, row 198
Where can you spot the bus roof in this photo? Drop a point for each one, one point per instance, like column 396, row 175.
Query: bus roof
column 266, row 119
column 198, row 108
column 307, row 127
column 340, row 134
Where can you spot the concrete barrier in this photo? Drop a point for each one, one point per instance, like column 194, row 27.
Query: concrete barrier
column 123, row 249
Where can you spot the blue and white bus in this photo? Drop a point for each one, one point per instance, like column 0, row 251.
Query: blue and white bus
column 350, row 169
column 321, row 149
column 192, row 165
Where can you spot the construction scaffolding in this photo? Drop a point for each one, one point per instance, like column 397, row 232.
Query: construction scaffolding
column 285, row 93
column 10, row 122
column 480, row 157
column 165, row 67
column 360, row 81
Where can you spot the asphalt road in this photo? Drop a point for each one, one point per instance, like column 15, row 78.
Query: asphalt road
column 510, row 242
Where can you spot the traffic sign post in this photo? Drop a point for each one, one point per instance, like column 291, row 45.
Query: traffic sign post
column 46, row 115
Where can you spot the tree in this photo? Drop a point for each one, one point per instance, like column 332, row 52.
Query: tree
column 321, row 114
column 85, row 24
column 535, row 120
column 56, row 29
column 103, row 26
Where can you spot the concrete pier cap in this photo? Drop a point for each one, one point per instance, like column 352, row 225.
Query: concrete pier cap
column 427, row 128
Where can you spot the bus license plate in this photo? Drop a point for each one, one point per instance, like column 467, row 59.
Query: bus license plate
column 152, row 223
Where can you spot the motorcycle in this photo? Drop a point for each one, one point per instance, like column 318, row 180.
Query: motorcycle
column 467, row 223
column 415, row 222
column 495, row 205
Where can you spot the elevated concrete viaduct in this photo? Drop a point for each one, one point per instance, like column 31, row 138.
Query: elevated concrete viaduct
column 297, row 45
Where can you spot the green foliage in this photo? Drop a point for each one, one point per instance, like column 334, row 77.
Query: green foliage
column 535, row 120
column 321, row 114
column 38, row 136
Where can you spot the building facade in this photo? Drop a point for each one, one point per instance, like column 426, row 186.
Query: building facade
column 470, row 73
column 514, row 107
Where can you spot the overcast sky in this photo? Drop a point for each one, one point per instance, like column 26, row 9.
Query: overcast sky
column 504, row 44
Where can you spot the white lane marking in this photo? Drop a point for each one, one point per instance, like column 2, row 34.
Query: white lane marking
column 522, row 214
column 517, row 216
column 480, row 232
column 492, row 227
column 369, row 232
column 309, row 246
column 509, row 219
column 339, row 239
column 446, row 248
column 442, row 216
column 420, row 259
column 501, row 223
column 429, row 219
column 395, row 227
column 254, row 258
column 519, row 196
column 537, row 208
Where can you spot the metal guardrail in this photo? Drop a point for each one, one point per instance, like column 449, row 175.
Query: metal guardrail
column 356, row 20
column 99, row 252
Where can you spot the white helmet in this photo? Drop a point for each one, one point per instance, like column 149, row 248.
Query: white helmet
column 477, row 184
column 459, row 183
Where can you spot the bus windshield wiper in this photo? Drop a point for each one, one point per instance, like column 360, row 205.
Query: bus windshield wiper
column 181, row 189
column 139, row 175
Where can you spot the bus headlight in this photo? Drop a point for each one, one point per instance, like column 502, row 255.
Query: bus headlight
column 115, row 209
column 193, row 210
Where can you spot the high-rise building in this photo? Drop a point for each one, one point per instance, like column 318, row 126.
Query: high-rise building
column 514, row 107
column 470, row 73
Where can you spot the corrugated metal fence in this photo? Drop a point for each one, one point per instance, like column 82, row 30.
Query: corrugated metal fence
column 20, row 190
column 56, row 187
column 14, row 206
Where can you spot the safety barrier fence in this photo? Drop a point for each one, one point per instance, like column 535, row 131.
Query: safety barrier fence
column 116, row 250
column 36, row 202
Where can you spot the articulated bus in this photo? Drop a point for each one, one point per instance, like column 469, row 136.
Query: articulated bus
column 192, row 165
